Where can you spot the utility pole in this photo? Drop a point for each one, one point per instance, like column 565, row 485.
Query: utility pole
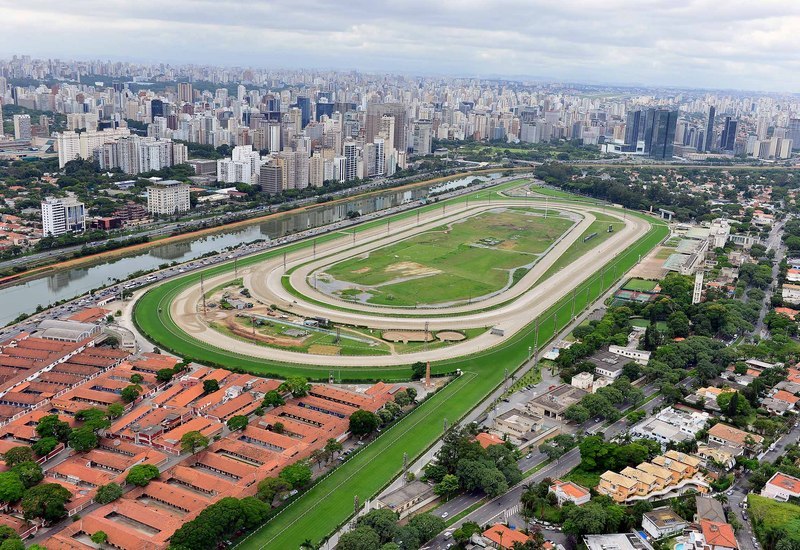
column 354, row 235
column 235, row 270
column 284, row 261
column 574, row 292
column 387, row 226
column 417, row 217
column 314, row 248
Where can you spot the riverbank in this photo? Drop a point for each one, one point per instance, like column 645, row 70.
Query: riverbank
column 131, row 250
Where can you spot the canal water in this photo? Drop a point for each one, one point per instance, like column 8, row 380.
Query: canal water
column 25, row 296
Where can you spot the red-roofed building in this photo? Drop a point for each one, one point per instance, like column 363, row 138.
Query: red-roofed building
column 502, row 537
column 567, row 491
column 781, row 487
column 717, row 536
column 487, row 439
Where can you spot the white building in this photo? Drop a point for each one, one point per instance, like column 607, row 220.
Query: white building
column 671, row 425
column 663, row 522
column 781, row 487
column 168, row 197
column 244, row 166
column 62, row 215
column 72, row 145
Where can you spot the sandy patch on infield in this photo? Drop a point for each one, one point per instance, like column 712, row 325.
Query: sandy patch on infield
column 406, row 336
column 362, row 270
column 450, row 336
column 411, row 269
column 322, row 349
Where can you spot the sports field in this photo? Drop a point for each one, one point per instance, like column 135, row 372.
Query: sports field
column 640, row 285
column 460, row 261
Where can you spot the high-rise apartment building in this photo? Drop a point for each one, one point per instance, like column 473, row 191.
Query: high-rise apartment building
column 168, row 197
column 350, row 160
column 422, row 137
column 185, row 92
column 22, row 127
column 62, row 215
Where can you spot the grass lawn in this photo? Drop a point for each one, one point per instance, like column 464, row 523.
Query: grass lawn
column 768, row 514
column 467, row 259
column 640, row 285
column 583, row 478
column 579, row 247
column 370, row 470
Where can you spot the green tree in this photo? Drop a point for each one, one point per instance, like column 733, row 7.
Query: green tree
column 272, row 399
column 29, row 473
column 297, row 475
column 271, row 487
column 427, row 526
column 83, row 439
column 164, row 375
column 136, row 378
column 447, row 487
column 278, row 428
column 9, row 539
column 192, row 441
column 11, row 487
column 363, row 422
column 238, row 422
column 108, row 493
column 360, row 538
column 383, row 522
column 15, row 455
column 94, row 419
column 210, row 386
column 99, row 537
column 115, row 410
column 332, row 447
column 141, row 474
column 46, row 501
column 418, row 370
column 51, row 426
column 296, row 385
column 131, row 393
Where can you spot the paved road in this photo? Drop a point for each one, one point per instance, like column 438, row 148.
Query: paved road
column 495, row 510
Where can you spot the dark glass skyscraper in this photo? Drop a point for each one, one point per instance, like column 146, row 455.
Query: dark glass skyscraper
column 632, row 131
column 304, row 104
column 659, row 133
column 728, row 137
column 712, row 112
column 324, row 108
column 156, row 108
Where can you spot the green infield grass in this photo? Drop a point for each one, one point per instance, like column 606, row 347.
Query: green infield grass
column 451, row 263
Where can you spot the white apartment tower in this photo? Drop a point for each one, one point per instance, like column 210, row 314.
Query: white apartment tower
column 62, row 215
column 168, row 197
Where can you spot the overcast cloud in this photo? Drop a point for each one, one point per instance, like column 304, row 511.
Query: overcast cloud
column 699, row 43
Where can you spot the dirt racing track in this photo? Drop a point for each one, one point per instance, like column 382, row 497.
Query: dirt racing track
column 508, row 311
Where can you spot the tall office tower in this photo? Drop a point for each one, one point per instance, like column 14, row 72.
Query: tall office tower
column 324, row 108
column 350, row 160
column 701, row 141
column 1, row 116
column 294, row 122
column 794, row 132
column 22, row 127
column 156, row 109
column 241, row 93
column 728, row 138
column 185, row 92
column 62, row 215
column 274, row 136
column 271, row 177
column 304, row 104
column 3, row 86
column 712, row 112
column 659, row 137
column 375, row 112
column 632, row 130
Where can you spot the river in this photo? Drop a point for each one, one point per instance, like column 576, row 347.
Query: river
column 24, row 297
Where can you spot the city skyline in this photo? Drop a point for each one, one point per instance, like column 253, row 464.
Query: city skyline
column 693, row 44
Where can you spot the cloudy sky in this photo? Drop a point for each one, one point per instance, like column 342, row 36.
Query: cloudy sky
column 700, row 43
